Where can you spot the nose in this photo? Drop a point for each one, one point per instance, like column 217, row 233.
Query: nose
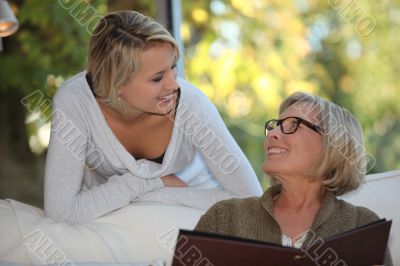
column 171, row 83
column 274, row 133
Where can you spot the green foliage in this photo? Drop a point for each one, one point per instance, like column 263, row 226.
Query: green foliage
column 261, row 51
column 50, row 41
column 50, row 45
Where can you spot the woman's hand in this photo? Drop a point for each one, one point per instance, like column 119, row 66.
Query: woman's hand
column 173, row 181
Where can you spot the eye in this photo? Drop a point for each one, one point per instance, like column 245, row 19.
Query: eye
column 173, row 66
column 290, row 123
column 157, row 79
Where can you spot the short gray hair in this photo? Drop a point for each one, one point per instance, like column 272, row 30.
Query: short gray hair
column 343, row 162
column 114, row 50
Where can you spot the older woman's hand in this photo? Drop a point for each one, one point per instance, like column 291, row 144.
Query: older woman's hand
column 173, row 181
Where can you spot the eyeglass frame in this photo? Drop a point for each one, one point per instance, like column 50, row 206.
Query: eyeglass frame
column 299, row 121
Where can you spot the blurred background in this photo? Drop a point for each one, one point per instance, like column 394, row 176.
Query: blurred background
column 246, row 55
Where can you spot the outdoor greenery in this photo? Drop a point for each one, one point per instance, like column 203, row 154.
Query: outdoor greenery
column 245, row 55
column 248, row 55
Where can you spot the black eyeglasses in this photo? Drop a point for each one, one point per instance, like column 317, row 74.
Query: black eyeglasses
column 289, row 125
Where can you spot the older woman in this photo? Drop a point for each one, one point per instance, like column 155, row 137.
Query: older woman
column 313, row 153
column 125, row 128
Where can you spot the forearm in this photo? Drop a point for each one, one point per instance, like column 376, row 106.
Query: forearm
column 67, row 204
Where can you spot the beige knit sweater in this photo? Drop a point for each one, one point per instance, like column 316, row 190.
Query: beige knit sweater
column 252, row 218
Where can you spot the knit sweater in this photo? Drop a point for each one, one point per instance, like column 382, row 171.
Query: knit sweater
column 89, row 172
column 253, row 218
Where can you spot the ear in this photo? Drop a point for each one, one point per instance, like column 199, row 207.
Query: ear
column 120, row 91
column 119, row 94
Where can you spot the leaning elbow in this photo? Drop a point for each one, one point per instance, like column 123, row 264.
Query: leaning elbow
column 62, row 216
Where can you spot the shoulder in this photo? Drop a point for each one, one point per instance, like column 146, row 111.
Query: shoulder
column 362, row 215
column 193, row 96
column 195, row 109
column 189, row 88
column 71, row 89
column 72, row 101
column 237, row 205
column 222, row 215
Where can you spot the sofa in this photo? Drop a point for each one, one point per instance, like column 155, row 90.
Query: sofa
column 144, row 233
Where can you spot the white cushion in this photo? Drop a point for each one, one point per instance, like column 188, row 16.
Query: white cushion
column 11, row 249
column 141, row 232
column 381, row 194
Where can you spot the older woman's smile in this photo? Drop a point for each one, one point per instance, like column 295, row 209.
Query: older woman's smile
column 276, row 150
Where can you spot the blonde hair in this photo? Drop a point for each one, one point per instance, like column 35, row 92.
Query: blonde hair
column 114, row 49
column 343, row 161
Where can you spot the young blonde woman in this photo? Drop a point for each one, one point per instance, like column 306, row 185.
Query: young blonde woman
column 124, row 130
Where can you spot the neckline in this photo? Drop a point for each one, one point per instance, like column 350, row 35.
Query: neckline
column 326, row 208
column 296, row 242
column 121, row 152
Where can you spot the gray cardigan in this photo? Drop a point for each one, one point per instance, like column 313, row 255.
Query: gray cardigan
column 89, row 173
column 253, row 218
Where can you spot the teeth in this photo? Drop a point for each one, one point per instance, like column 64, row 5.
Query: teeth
column 166, row 98
column 276, row 151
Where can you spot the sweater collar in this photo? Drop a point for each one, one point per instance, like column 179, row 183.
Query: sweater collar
column 325, row 211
